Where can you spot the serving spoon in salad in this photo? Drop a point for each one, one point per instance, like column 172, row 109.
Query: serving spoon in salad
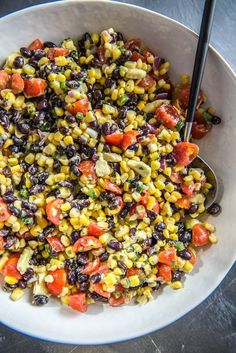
column 198, row 70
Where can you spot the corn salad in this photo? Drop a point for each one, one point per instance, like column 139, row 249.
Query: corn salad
column 99, row 197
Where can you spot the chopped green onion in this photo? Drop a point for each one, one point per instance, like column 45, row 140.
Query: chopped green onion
column 130, row 180
column 24, row 192
column 63, row 86
column 206, row 116
column 27, row 220
column 139, row 188
column 79, row 116
column 123, row 100
column 92, row 194
column 179, row 246
column 180, row 125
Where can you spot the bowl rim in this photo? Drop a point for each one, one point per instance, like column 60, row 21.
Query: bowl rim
column 229, row 69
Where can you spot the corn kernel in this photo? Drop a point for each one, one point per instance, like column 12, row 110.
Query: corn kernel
column 176, row 285
column 17, row 294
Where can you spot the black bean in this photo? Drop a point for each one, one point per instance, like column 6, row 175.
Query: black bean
column 82, row 278
column 48, row 230
column 81, row 140
column 28, row 274
column 49, row 45
column 42, row 104
column 115, row 245
column 9, row 241
column 133, row 184
column 123, row 266
column 160, row 226
column 145, row 150
column 176, row 276
column 133, row 147
column 75, row 170
column 132, row 232
column 70, row 264
column 34, row 180
column 158, row 235
column 82, row 258
column 23, row 127
column 6, row 171
column 70, row 151
column 71, row 277
column 15, row 210
column 216, row 120
column 22, row 284
column 151, row 215
column 56, row 166
column 9, row 287
column 78, row 75
column 36, row 189
column 84, row 286
column 42, row 177
column 171, row 159
column 38, row 53
column 18, row 62
column 40, row 299
column 9, row 197
column 33, row 62
column 106, row 128
column 27, row 53
column 111, row 222
column 116, row 74
column 80, row 204
column 29, row 206
column 104, row 256
column 109, row 82
column 74, row 236
column 214, row 210
column 5, row 121
column 184, row 254
column 114, row 128
column 64, row 130
column 95, row 278
column 185, row 236
column 193, row 208
column 181, row 226
column 152, row 250
column 119, row 37
column 157, row 286
column 124, row 212
column 72, row 84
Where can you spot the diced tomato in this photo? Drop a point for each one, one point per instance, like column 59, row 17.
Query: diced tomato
column 95, row 230
column 36, row 44
column 2, row 243
column 34, row 87
column 167, row 115
column 59, row 281
column 4, row 211
column 185, row 152
column 87, row 243
column 130, row 44
column 120, row 203
column 10, row 267
column 114, row 139
column 80, row 106
column 147, row 53
column 136, row 56
column 200, row 130
column 91, row 267
column 53, row 211
column 168, row 256
column 176, row 178
column 200, row 235
column 194, row 256
column 112, row 187
column 184, row 202
column 101, row 54
column 147, row 82
column 103, row 268
column 97, row 287
column 132, row 271
column 129, row 139
column 55, row 243
column 116, row 301
column 78, row 302
column 55, row 52
column 144, row 199
column 198, row 118
column 87, row 168
column 164, row 271
column 188, row 189
column 156, row 207
column 140, row 213
column 183, row 96
column 4, row 79
column 17, row 83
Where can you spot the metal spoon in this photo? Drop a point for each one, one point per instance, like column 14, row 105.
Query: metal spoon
column 198, row 70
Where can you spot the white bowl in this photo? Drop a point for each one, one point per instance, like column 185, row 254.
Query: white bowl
column 103, row 324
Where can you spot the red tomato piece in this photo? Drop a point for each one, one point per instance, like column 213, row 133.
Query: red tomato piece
column 2, row 243
column 156, row 207
column 80, row 106
column 168, row 257
column 167, row 115
column 10, row 267
column 112, row 187
column 130, row 44
column 144, row 199
column 198, row 118
column 147, row 82
column 101, row 54
column 200, row 130
column 164, row 271
column 95, row 230
column 116, row 301
column 176, row 178
column 147, row 53
column 59, row 281
column 17, row 83
column 36, row 44
column 194, row 256
column 129, row 139
column 55, row 52
column 34, row 87
column 120, row 203
column 183, row 96
column 185, row 152
column 78, row 302
column 87, row 243
column 4, row 211
column 87, row 168
column 55, row 243
column 183, row 202
column 140, row 213
column 136, row 56
column 114, row 139
column 91, row 267
column 53, row 211
column 200, row 235
column 97, row 287
column 132, row 271
column 102, row 269
column 4, row 79
column 188, row 189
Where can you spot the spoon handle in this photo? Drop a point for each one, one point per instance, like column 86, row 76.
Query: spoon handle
column 199, row 64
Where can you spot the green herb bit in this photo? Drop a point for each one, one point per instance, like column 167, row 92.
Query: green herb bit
column 180, row 125
column 179, row 246
column 24, row 192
